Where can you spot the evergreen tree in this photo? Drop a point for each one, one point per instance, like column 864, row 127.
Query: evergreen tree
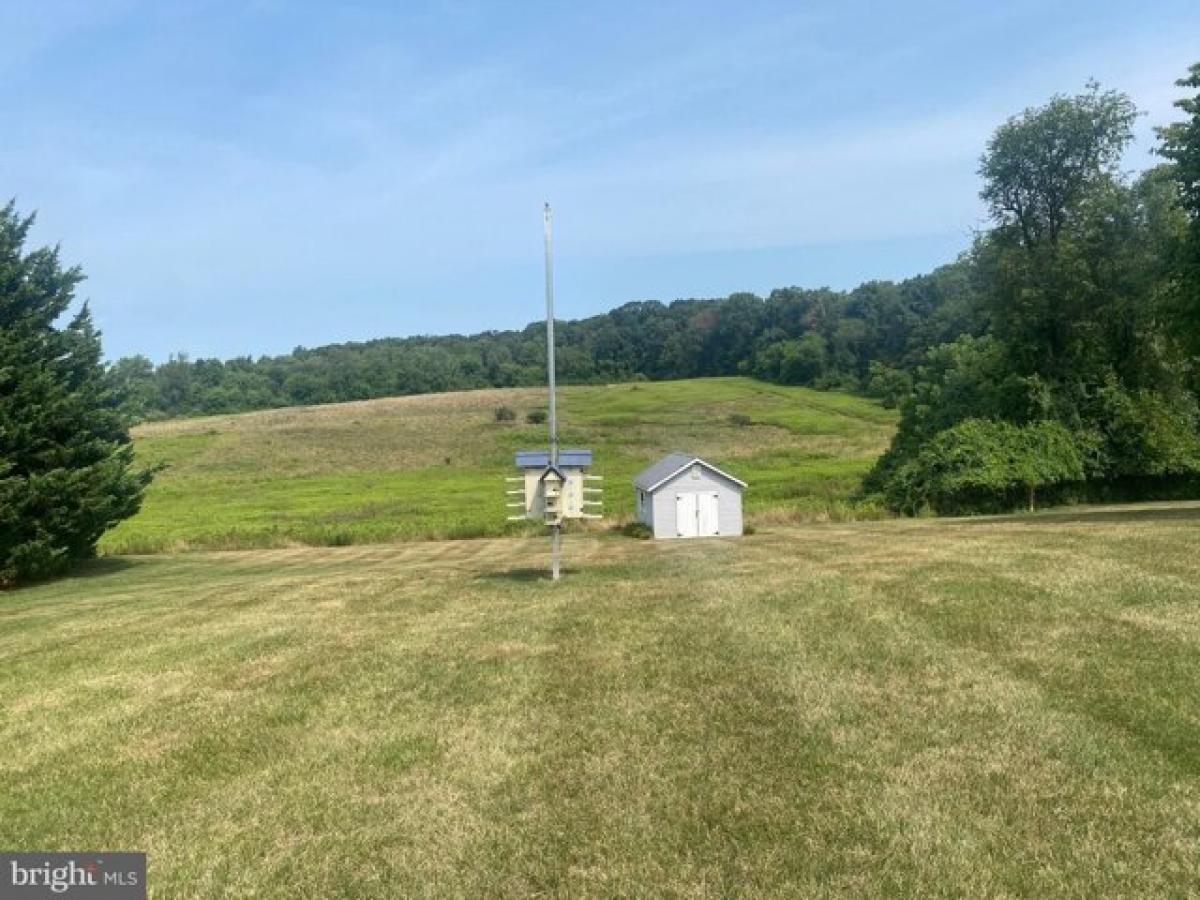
column 65, row 460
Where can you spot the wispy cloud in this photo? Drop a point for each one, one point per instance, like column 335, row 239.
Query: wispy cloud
column 360, row 158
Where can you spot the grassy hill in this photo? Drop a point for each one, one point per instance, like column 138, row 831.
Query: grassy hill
column 950, row 708
column 432, row 466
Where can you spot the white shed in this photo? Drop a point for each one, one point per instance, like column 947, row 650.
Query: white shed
column 682, row 496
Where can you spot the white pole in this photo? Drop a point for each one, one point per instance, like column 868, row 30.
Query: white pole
column 550, row 366
column 556, row 528
column 555, row 550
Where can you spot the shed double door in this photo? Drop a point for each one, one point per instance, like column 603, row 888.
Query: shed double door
column 696, row 514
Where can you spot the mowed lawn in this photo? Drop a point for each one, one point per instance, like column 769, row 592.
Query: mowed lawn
column 433, row 466
column 993, row 707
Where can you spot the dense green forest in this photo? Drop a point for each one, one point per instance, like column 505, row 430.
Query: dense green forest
column 856, row 339
column 1057, row 355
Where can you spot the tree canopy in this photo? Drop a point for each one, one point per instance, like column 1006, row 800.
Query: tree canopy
column 1180, row 144
column 821, row 338
column 1085, row 341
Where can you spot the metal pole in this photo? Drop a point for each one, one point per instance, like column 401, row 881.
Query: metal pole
column 550, row 367
column 555, row 529
column 555, row 550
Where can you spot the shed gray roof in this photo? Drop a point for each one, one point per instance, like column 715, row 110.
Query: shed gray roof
column 672, row 464
column 539, row 459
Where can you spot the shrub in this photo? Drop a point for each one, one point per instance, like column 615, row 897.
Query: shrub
column 982, row 465
column 535, row 416
column 740, row 420
column 637, row 530
column 505, row 414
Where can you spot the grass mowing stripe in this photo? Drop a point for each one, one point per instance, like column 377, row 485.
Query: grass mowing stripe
column 1077, row 757
column 943, row 708
column 619, row 694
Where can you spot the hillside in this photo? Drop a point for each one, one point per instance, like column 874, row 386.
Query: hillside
column 953, row 708
column 433, row 466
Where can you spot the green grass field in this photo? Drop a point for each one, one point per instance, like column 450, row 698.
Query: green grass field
column 987, row 708
column 433, row 466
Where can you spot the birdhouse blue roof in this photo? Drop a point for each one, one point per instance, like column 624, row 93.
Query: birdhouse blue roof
column 540, row 459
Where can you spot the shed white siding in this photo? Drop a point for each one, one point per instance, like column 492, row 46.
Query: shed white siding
column 660, row 506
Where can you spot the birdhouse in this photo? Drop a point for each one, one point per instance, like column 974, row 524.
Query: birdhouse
column 552, row 493
column 552, row 485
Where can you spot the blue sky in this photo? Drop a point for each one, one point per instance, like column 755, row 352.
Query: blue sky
column 240, row 178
